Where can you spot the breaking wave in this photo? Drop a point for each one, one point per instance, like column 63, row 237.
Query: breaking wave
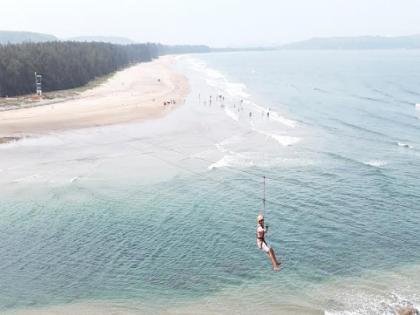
column 375, row 163
column 404, row 145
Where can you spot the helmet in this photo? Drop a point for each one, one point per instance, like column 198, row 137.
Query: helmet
column 260, row 217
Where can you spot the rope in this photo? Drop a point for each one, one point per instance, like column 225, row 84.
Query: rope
column 263, row 200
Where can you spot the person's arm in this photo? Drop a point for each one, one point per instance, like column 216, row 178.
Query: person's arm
column 262, row 229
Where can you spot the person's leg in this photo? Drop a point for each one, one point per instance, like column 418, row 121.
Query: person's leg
column 274, row 261
column 271, row 254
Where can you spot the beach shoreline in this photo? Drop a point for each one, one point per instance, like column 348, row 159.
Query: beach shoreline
column 134, row 94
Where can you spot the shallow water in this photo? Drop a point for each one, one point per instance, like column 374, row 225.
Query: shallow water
column 160, row 217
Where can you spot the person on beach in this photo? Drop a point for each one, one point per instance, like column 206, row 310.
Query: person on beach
column 262, row 244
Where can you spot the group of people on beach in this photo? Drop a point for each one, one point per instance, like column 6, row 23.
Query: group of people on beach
column 238, row 107
column 171, row 101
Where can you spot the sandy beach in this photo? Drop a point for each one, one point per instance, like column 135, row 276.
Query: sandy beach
column 133, row 94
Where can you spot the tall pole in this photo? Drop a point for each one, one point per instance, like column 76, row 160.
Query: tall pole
column 38, row 84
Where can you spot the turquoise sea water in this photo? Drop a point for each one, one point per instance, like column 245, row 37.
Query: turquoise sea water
column 160, row 217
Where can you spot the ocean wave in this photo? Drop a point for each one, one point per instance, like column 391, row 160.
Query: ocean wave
column 73, row 179
column 285, row 121
column 255, row 159
column 230, row 140
column 418, row 106
column 195, row 64
column 281, row 139
column 320, row 90
column 404, row 145
column 231, row 114
column 411, row 92
column 392, row 97
column 382, row 93
column 365, row 303
column 376, row 163
column 237, row 160
column 373, row 162
column 236, row 89
column 273, row 115
column 34, row 178
column 231, row 158
column 284, row 140
column 369, row 98
column 360, row 128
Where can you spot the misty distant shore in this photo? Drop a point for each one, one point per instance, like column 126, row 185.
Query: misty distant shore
column 322, row 43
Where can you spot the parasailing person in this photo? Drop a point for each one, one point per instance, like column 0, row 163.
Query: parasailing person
column 262, row 244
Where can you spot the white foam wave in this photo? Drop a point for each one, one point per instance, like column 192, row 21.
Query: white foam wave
column 363, row 303
column 236, row 89
column 72, row 180
column 228, row 141
column 281, row 139
column 255, row 159
column 376, row 163
column 285, row 121
column 212, row 73
column 237, row 160
column 404, row 145
column 195, row 64
column 224, row 161
column 274, row 116
column 30, row 179
column 231, row 114
column 285, row 140
column 418, row 106
column 201, row 66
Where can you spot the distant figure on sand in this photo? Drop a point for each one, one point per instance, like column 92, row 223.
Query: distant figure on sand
column 262, row 244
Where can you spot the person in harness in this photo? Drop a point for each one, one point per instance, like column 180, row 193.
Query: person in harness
column 262, row 244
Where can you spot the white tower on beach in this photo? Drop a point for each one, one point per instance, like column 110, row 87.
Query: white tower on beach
column 38, row 84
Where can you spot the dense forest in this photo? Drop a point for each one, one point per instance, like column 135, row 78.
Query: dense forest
column 66, row 65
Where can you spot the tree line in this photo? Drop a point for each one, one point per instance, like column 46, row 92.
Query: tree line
column 66, row 65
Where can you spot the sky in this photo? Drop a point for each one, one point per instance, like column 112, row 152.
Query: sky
column 218, row 23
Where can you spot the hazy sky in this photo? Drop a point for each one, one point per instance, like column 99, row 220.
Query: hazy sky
column 213, row 22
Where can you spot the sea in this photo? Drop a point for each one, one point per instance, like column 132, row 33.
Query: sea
column 159, row 217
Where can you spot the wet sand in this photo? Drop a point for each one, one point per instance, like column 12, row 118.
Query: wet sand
column 133, row 94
